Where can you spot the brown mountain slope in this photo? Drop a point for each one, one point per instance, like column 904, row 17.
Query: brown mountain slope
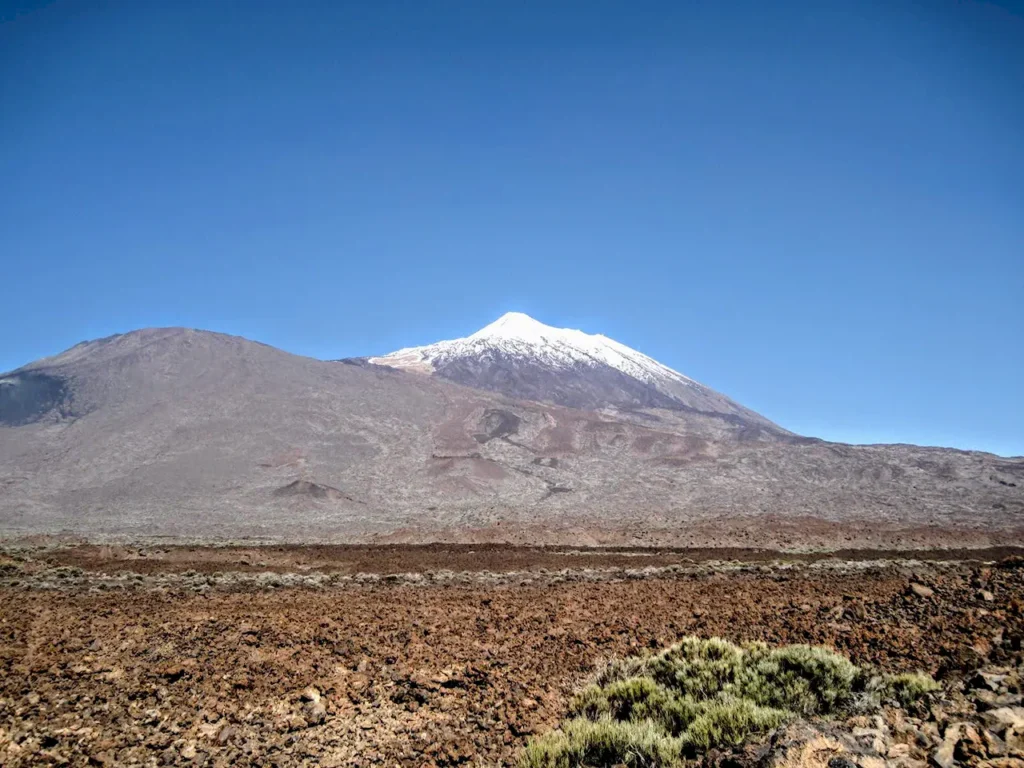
column 191, row 434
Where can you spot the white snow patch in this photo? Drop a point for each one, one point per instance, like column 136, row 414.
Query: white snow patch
column 520, row 336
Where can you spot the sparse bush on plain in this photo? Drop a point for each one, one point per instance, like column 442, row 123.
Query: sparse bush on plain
column 728, row 722
column 911, row 687
column 707, row 693
column 637, row 699
column 583, row 742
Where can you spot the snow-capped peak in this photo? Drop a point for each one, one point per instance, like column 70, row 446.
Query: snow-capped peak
column 516, row 325
column 525, row 359
column 517, row 335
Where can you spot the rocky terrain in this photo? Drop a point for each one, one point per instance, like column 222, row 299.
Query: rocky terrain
column 191, row 435
column 106, row 664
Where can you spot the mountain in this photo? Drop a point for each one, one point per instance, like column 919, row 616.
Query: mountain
column 523, row 358
column 183, row 434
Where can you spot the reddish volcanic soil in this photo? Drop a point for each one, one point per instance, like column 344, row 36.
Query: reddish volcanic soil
column 174, row 668
column 405, row 558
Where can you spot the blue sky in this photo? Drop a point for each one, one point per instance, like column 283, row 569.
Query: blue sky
column 816, row 208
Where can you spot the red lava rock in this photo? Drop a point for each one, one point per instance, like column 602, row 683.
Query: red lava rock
column 413, row 675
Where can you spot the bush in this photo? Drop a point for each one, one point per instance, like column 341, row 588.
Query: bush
column 637, row 699
column 583, row 742
column 707, row 693
column 729, row 722
column 911, row 687
column 800, row 678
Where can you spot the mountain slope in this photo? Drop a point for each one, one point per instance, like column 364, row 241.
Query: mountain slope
column 191, row 434
column 523, row 358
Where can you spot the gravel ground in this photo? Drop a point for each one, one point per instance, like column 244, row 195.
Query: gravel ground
column 440, row 667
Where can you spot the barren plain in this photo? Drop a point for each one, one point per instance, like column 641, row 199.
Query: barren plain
column 426, row 655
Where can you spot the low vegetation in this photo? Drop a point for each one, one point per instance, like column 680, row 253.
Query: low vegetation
column 910, row 688
column 708, row 693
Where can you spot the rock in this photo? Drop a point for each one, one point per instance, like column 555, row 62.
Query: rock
column 173, row 672
column 1003, row 718
column 870, row 738
column 314, row 712
column 994, row 745
column 985, row 699
column 310, row 694
column 970, row 745
column 1014, row 741
column 989, row 681
column 944, row 756
column 984, row 594
column 921, row 590
column 1002, row 762
column 897, row 751
column 227, row 733
column 803, row 744
column 928, row 734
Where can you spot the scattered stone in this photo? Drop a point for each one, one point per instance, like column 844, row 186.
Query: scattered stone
column 315, row 712
column 986, row 699
column 898, row 751
column 990, row 681
column 994, row 746
column 944, row 756
column 526, row 652
column 970, row 745
column 1003, row 718
column 921, row 590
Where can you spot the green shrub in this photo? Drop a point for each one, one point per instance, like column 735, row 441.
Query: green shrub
column 911, row 687
column 800, row 678
column 583, row 742
column 708, row 693
column 728, row 722
column 637, row 699
column 698, row 668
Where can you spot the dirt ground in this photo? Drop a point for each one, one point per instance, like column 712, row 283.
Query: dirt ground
column 144, row 670
column 404, row 558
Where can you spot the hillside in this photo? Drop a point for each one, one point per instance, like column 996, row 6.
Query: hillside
column 193, row 434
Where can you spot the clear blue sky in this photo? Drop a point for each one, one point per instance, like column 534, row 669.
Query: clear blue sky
column 816, row 208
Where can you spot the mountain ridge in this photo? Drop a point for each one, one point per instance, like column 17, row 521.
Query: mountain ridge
column 521, row 357
column 189, row 434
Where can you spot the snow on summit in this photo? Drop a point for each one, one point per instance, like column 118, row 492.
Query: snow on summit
column 525, row 359
column 517, row 336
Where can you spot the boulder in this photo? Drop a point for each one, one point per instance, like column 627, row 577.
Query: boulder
column 1001, row 719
